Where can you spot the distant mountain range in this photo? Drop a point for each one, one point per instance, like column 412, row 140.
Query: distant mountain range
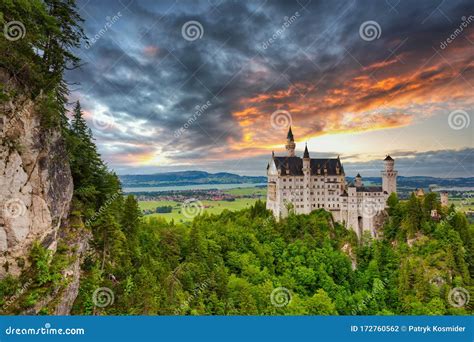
column 187, row 178
column 423, row 181
column 201, row 177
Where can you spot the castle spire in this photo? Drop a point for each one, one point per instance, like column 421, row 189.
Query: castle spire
column 306, row 152
column 290, row 137
column 290, row 143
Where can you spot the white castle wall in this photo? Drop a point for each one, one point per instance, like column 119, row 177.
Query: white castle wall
column 357, row 210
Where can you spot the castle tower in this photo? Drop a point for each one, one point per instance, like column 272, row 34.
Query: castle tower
column 389, row 176
column 290, row 143
column 306, row 161
column 306, row 180
column 358, row 181
column 444, row 198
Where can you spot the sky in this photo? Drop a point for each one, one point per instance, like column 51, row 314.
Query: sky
column 214, row 85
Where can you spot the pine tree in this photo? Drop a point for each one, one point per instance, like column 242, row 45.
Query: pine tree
column 131, row 216
column 87, row 168
column 64, row 34
column 414, row 218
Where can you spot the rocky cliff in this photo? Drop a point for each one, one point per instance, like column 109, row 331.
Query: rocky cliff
column 35, row 182
column 36, row 189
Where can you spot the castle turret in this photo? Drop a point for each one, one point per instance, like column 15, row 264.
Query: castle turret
column 306, row 180
column 358, row 180
column 389, row 176
column 290, row 143
column 444, row 198
column 306, row 160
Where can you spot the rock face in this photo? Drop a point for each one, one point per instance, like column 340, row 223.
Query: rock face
column 35, row 183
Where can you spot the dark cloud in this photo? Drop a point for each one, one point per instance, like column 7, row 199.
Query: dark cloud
column 144, row 74
column 444, row 164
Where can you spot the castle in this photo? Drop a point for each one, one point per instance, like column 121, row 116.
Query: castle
column 307, row 184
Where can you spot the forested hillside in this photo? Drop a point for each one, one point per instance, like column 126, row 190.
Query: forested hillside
column 224, row 264
column 187, row 178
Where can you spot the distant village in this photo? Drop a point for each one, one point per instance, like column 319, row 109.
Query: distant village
column 183, row 195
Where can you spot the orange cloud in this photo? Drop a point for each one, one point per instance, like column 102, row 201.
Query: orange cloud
column 361, row 102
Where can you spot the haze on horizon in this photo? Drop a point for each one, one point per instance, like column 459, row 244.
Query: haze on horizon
column 159, row 99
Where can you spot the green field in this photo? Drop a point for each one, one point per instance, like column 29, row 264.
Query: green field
column 213, row 207
column 463, row 205
column 246, row 191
